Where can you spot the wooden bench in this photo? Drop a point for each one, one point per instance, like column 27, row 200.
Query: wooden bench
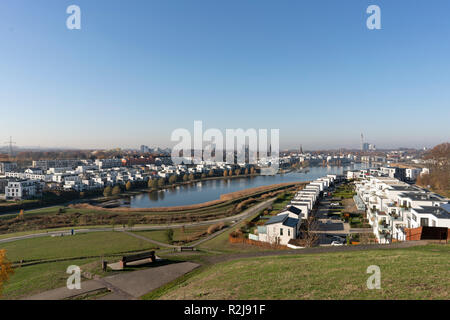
column 136, row 257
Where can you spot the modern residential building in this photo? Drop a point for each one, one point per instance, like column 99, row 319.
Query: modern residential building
column 279, row 229
column 47, row 164
column 23, row 189
column 393, row 206
column 285, row 226
column 7, row 166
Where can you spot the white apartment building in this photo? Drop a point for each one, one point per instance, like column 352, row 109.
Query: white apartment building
column 108, row 163
column 7, row 166
column 392, row 206
column 23, row 189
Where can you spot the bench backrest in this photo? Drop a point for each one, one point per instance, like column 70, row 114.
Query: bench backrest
column 139, row 256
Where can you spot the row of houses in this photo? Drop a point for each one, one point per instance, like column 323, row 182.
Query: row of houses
column 403, row 174
column 285, row 226
column 393, row 207
column 85, row 175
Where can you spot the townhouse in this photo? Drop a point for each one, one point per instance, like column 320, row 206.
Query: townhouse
column 285, row 226
column 280, row 229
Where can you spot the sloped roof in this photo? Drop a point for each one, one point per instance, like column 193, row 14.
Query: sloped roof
column 294, row 210
column 290, row 222
column 277, row 219
column 446, row 207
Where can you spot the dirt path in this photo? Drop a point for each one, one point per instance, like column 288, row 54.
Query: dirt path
column 161, row 244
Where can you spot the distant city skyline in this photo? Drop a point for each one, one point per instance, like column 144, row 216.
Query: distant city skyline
column 136, row 71
column 16, row 148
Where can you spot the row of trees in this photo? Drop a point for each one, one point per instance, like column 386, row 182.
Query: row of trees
column 161, row 182
column 438, row 180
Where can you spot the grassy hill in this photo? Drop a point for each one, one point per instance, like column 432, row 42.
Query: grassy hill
column 412, row 273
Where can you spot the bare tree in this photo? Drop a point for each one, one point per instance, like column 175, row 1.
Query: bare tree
column 308, row 232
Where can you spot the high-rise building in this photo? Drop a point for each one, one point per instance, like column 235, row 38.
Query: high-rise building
column 145, row 149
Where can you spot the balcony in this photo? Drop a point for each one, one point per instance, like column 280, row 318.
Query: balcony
column 396, row 217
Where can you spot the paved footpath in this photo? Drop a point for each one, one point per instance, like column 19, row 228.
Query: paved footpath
column 239, row 217
column 123, row 286
column 321, row 249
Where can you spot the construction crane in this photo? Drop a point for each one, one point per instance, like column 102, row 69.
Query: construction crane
column 10, row 144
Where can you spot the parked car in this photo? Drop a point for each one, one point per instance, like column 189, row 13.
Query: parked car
column 334, row 204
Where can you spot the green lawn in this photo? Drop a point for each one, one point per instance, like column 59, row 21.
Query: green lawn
column 29, row 280
column 413, row 273
column 79, row 245
column 178, row 233
column 85, row 249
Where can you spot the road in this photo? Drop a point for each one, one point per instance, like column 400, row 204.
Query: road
column 237, row 218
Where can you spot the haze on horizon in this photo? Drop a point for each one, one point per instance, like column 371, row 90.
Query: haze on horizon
column 137, row 71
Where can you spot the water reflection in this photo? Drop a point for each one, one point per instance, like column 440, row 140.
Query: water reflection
column 197, row 192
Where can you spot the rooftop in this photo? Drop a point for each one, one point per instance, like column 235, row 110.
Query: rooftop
column 290, row 222
column 438, row 212
column 277, row 219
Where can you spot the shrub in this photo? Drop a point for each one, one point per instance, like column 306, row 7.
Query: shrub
column 169, row 235
column 215, row 227
column 107, row 191
column 116, row 190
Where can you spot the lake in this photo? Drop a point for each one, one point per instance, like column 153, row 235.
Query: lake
column 204, row 191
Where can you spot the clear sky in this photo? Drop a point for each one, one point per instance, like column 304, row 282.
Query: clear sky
column 139, row 69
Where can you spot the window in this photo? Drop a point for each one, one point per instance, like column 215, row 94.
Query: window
column 281, row 231
column 424, row 222
column 289, row 232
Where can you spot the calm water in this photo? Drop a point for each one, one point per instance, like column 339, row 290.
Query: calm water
column 211, row 190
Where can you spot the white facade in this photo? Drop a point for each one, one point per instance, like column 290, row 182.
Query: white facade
column 21, row 190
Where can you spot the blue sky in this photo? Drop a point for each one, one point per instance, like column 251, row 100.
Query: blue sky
column 139, row 69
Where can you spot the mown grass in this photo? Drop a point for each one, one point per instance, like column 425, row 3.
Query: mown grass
column 413, row 273
column 33, row 279
column 79, row 245
column 178, row 233
column 80, row 249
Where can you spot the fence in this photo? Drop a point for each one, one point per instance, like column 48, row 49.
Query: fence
column 427, row 233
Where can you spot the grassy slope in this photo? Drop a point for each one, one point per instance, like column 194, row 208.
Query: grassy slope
column 413, row 273
column 85, row 244
column 178, row 234
column 33, row 279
